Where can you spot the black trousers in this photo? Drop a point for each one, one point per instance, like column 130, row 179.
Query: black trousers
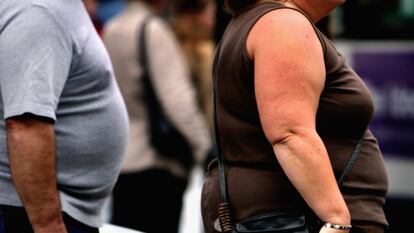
column 15, row 220
column 148, row 201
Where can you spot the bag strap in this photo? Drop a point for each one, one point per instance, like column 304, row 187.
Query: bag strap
column 351, row 162
column 152, row 103
column 142, row 46
column 225, row 206
column 150, row 96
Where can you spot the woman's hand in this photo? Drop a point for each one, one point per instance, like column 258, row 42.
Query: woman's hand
column 330, row 230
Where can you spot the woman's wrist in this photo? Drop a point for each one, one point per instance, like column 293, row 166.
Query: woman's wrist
column 339, row 227
column 339, row 216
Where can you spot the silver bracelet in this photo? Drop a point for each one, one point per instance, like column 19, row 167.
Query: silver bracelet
column 337, row 226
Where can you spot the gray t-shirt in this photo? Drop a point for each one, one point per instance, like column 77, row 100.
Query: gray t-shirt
column 53, row 64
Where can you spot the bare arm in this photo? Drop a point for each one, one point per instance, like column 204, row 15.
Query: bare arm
column 289, row 78
column 31, row 146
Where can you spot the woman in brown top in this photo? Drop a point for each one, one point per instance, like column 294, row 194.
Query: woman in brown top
column 289, row 113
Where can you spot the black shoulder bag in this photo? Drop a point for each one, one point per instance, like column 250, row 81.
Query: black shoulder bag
column 275, row 221
column 164, row 137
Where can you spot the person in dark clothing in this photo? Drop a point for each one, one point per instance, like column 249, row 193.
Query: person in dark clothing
column 289, row 113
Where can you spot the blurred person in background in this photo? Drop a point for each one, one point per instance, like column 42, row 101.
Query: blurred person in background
column 107, row 9
column 92, row 9
column 148, row 195
column 290, row 112
column 63, row 127
column 193, row 22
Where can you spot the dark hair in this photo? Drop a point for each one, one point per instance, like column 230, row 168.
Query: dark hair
column 235, row 6
column 191, row 5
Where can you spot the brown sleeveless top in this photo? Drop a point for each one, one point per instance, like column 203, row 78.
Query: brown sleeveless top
column 256, row 181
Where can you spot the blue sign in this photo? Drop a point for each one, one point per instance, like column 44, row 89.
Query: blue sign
column 390, row 77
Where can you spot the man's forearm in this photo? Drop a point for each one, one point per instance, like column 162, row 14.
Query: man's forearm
column 32, row 155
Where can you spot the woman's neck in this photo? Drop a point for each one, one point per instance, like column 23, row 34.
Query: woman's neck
column 311, row 14
column 301, row 5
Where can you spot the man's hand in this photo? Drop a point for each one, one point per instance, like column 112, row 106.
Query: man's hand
column 32, row 154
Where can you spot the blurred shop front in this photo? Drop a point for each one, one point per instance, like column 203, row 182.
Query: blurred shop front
column 387, row 67
column 377, row 37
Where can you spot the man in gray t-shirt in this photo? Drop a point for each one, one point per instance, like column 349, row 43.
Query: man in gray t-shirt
column 63, row 123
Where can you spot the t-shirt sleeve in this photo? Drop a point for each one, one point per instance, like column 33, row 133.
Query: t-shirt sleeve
column 35, row 59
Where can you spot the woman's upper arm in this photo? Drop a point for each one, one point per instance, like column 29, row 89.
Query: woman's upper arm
column 289, row 73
